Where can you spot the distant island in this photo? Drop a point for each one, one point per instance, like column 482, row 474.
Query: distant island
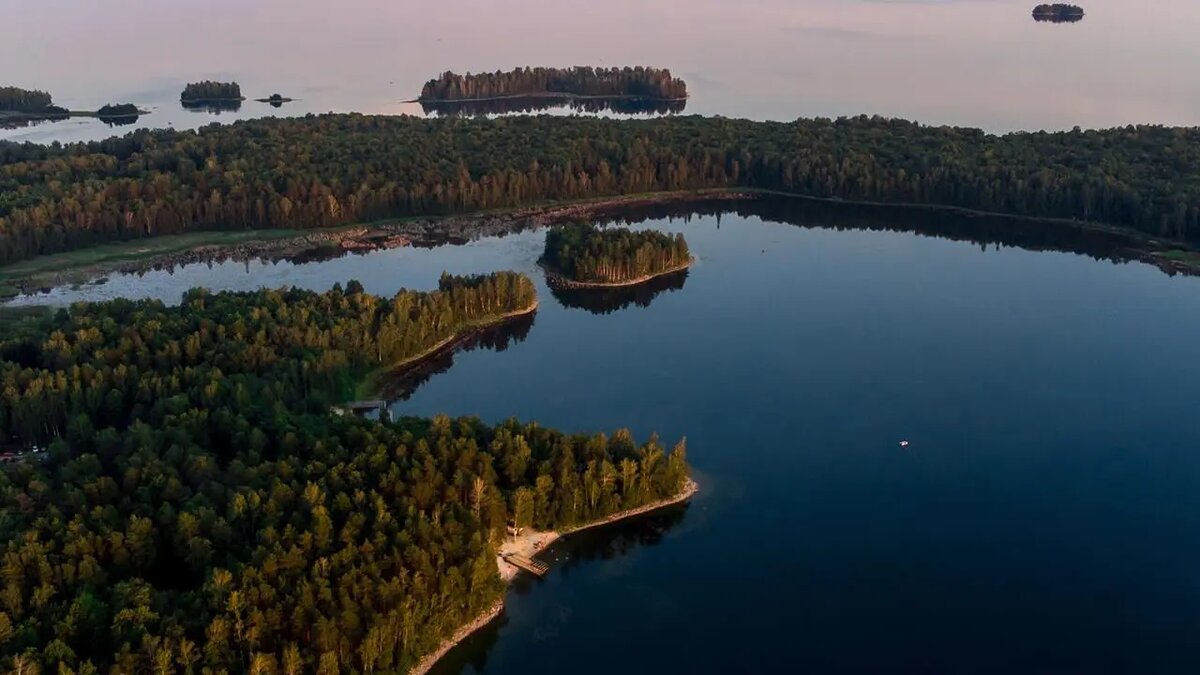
column 581, row 255
column 19, row 106
column 578, row 82
column 1058, row 13
column 533, row 104
column 211, row 91
column 276, row 100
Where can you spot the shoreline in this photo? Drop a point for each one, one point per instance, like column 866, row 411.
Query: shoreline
column 369, row 383
column 559, row 281
column 539, row 541
column 464, row 631
column 30, row 276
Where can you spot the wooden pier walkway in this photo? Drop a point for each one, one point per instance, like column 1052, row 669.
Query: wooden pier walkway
column 530, row 565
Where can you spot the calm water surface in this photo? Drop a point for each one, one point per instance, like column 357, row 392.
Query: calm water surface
column 982, row 63
column 1044, row 518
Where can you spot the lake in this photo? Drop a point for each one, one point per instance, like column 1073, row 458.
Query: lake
column 982, row 63
column 1043, row 518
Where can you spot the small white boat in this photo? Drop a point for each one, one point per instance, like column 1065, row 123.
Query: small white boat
column 904, row 444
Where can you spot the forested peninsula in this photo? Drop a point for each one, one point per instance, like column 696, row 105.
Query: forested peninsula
column 630, row 82
column 199, row 510
column 581, row 255
column 23, row 105
column 326, row 170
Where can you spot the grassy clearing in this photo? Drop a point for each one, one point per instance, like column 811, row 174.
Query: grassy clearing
column 130, row 251
column 1180, row 255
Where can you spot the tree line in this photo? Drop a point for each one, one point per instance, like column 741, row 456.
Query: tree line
column 210, row 91
column 585, row 253
column 581, row 81
column 326, row 170
column 24, row 100
column 200, row 511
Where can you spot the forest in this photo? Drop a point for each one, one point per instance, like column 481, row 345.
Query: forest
column 639, row 82
column 196, row 92
column 199, row 510
column 1058, row 13
column 319, row 171
column 16, row 99
column 584, row 253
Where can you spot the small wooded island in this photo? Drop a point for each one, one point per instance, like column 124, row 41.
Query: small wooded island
column 19, row 105
column 276, row 100
column 208, row 91
column 578, row 82
column 1058, row 13
column 581, row 255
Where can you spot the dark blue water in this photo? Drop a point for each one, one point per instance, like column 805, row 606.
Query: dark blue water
column 1044, row 519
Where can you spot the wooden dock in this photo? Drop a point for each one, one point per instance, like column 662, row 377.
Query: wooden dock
column 535, row 567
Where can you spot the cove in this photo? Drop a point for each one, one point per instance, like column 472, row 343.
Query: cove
column 1042, row 520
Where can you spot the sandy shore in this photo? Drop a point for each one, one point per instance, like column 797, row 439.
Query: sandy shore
column 534, row 541
column 529, row 544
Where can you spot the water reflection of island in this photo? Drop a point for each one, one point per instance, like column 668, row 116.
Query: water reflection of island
column 620, row 105
column 402, row 385
column 985, row 230
column 214, row 107
column 609, row 300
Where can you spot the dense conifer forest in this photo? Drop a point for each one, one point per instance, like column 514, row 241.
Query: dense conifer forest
column 199, row 510
column 333, row 169
column 637, row 82
column 584, row 253
column 210, row 91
